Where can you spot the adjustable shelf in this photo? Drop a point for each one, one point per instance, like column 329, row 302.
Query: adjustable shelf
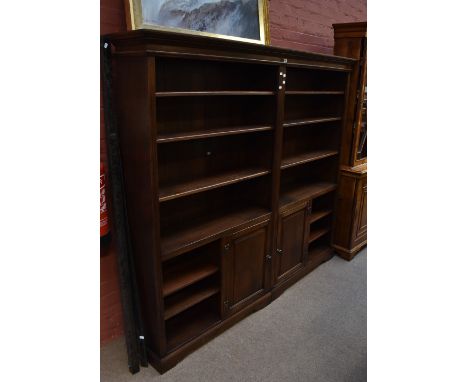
column 314, row 92
column 187, row 298
column 201, row 134
column 310, row 121
column 210, row 93
column 190, row 323
column 318, row 215
column 196, row 233
column 307, row 157
column 305, row 191
column 208, row 183
column 317, row 234
column 185, row 276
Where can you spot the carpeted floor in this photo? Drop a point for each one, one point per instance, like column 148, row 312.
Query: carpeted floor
column 315, row 331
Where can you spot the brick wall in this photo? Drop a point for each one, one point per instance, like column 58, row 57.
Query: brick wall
column 307, row 24
column 112, row 20
column 295, row 24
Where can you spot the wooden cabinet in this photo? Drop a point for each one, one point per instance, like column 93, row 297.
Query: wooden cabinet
column 291, row 248
column 230, row 155
column 350, row 232
column 245, row 261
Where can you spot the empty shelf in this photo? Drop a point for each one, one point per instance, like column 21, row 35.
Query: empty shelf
column 199, row 232
column 317, row 234
column 178, row 279
column 214, row 93
column 310, row 121
column 186, row 299
column 318, row 250
column 190, row 323
column 314, row 92
column 208, row 183
column 305, row 191
column 166, row 138
column 317, row 215
column 307, row 157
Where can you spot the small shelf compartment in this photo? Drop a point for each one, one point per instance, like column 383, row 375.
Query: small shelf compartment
column 323, row 203
column 318, row 233
column 309, row 181
column 192, row 322
column 189, row 297
column 303, row 106
column 319, row 228
column 190, row 268
column 317, row 215
column 317, row 248
column 297, row 192
column 191, row 116
column 191, row 167
column 305, row 79
column 190, row 222
column 184, row 75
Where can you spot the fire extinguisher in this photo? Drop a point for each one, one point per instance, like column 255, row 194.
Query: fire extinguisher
column 105, row 227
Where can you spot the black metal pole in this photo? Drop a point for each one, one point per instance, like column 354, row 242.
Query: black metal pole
column 133, row 325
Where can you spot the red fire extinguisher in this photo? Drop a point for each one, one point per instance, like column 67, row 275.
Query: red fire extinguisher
column 105, row 227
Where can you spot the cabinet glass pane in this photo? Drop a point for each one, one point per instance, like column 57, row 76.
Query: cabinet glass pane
column 362, row 142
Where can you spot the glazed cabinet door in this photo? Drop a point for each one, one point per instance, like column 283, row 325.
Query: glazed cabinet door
column 291, row 250
column 245, row 262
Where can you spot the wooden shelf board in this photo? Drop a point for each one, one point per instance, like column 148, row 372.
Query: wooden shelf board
column 167, row 138
column 307, row 157
column 186, row 299
column 189, row 324
column 310, row 121
column 185, row 276
column 303, row 192
column 200, row 232
column 317, row 215
column 317, row 234
column 208, row 183
column 318, row 250
column 215, row 93
column 314, row 92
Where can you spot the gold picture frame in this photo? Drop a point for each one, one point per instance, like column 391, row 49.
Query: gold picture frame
column 134, row 15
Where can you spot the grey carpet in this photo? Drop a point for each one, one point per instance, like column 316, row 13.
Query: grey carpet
column 315, row 331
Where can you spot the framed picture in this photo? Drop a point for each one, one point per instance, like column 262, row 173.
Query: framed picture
column 243, row 20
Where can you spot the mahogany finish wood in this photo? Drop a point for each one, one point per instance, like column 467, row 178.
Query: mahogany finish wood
column 230, row 172
column 350, row 228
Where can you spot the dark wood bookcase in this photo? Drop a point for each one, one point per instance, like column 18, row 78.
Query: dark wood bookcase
column 350, row 234
column 230, row 157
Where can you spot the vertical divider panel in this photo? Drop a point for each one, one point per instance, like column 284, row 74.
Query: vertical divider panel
column 160, row 324
column 276, row 170
column 342, row 158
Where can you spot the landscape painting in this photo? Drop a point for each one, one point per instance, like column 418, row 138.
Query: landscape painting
column 235, row 19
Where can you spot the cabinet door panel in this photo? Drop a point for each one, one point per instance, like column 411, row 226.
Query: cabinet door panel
column 361, row 211
column 246, row 259
column 291, row 246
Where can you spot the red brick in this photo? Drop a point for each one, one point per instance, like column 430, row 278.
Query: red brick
column 307, row 24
